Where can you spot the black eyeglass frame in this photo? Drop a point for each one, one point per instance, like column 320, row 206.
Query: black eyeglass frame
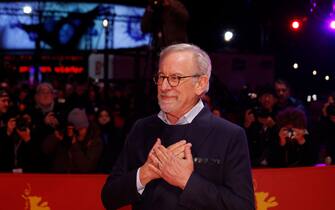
column 179, row 78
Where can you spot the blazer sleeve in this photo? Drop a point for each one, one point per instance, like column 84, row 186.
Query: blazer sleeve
column 235, row 192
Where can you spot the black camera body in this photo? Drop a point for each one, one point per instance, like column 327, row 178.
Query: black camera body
column 290, row 133
column 260, row 112
column 22, row 124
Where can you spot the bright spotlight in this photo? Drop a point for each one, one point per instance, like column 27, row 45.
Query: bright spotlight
column 228, row 36
column 295, row 65
column 315, row 72
column 27, row 10
column 105, row 23
column 327, row 77
column 332, row 24
column 309, row 98
column 314, row 97
column 295, row 25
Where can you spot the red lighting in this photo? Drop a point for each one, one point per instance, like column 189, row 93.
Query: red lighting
column 24, row 69
column 45, row 69
column 69, row 69
column 295, row 25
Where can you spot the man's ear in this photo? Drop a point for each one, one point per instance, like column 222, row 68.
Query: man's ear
column 201, row 84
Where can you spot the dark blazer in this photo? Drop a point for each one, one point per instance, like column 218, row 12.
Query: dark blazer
column 222, row 175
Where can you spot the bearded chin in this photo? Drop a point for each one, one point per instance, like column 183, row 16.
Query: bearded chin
column 165, row 107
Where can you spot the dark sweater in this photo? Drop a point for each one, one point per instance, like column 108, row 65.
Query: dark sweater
column 222, row 176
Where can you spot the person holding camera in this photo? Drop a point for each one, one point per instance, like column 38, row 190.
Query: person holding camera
column 17, row 150
column 260, row 126
column 76, row 148
column 294, row 146
column 4, row 105
column 326, row 132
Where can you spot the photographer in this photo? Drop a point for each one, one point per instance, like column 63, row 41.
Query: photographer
column 4, row 105
column 294, row 147
column 326, row 133
column 17, row 150
column 75, row 148
column 260, row 126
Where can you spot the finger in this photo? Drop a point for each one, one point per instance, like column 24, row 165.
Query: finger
column 188, row 153
column 180, row 155
column 157, row 143
column 162, row 154
column 153, row 158
column 154, row 169
column 178, row 151
column 176, row 145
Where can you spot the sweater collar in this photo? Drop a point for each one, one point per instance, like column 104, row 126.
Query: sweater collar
column 187, row 118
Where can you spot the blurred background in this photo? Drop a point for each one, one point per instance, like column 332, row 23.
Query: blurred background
column 42, row 39
column 67, row 65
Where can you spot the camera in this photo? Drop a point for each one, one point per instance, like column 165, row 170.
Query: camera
column 290, row 133
column 22, row 124
column 260, row 112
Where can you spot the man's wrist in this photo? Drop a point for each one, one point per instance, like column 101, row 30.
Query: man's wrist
column 143, row 176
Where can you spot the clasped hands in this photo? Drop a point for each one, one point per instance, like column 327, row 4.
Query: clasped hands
column 297, row 135
column 174, row 164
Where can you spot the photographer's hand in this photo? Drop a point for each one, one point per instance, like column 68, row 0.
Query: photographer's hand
column 24, row 135
column 11, row 124
column 74, row 139
column 59, row 135
column 283, row 135
column 299, row 135
column 249, row 118
column 51, row 120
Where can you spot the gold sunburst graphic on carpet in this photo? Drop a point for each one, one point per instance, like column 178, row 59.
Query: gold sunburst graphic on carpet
column 33, row 202
column 263, row 201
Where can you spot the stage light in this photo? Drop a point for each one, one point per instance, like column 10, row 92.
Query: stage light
column 309, row 98
column 327, row 78
column 315, row 72
column 27, row 10
column 105, row 23
column 314, row 97
column 228, row 35
column 295, row 65
column 332, row 24
column 295, row 25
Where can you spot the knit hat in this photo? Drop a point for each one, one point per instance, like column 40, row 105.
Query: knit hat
column 78, row 118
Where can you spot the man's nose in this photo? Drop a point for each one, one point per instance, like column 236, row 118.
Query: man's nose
column 165, row 84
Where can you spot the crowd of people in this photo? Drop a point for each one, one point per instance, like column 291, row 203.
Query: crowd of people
column 66, row 129
column 75, row 128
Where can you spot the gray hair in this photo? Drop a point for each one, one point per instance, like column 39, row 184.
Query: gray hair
column 202, row 59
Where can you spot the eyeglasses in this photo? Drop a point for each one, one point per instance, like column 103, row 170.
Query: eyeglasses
column 173, row 80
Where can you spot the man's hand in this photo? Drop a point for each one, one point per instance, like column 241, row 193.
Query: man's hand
column 11, row 124
column 249, row 118
column 146, row 173
column 51, row 120
column 24, row 135
column 299, row 135
column 178, row 149
column 283, row 134
column 172, row 169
